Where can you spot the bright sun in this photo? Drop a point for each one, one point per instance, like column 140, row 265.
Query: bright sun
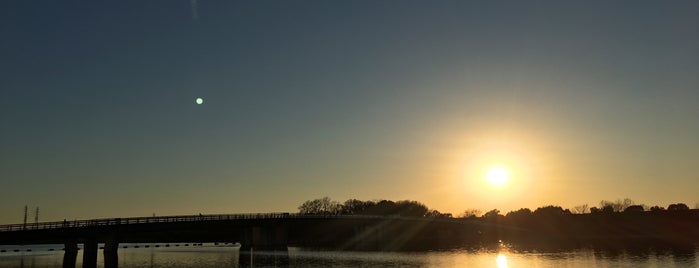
column 497, row 176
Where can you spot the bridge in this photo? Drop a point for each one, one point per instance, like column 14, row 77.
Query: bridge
column 270, row 231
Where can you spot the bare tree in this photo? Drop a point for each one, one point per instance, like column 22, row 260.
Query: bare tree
column 323, row 205
column 581, row 209
column 471, row 212
column 618, row 205
column 329, row 206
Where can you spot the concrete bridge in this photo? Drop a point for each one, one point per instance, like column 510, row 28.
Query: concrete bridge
column 272, row 231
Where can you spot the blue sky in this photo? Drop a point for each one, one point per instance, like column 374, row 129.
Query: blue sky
column 363, row 99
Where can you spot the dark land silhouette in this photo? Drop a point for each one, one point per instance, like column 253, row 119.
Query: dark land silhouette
column 615, row 224
column 381, row 225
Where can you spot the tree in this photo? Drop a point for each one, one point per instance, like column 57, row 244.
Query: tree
column 328, row 206
column 383, row 207
column 581, row 209
column 492, row 214
column 607, row 209
column 471, row 213
column 634, row 208
column 408, row 208
column 436, row 214
column 618, row 205
column 677, row 207
column 405, row 208
column 310, row 207
column 323, row 205
column 657, row 208
column 521, row 213
column 355, row 206
column 551, row 211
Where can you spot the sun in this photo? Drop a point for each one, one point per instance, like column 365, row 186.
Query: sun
column 497, row 175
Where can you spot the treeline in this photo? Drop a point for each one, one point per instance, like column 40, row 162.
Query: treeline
column 606, row 207
column 612, row 224
column 404, row 208
column 626, row 205
column 409, row 208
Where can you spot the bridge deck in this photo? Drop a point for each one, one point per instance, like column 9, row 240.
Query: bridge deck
column 177, row 219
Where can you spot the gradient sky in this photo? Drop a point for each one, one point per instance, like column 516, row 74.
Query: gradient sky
column 579, row 101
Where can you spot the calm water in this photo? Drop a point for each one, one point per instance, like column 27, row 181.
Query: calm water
column 217, row 256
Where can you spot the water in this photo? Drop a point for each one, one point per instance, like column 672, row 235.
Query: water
column 210, row 255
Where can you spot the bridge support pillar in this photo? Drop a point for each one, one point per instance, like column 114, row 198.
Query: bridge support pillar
column 252, row 257
column 71, row 254
column 264, row 246
column 111, row 259
column 90, row 253
column 245, row 240
column 274, row 237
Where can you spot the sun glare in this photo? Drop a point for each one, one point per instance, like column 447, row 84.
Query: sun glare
column 501, row 260
column 497, row 176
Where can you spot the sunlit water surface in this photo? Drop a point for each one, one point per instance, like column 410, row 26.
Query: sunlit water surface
column 219, row 256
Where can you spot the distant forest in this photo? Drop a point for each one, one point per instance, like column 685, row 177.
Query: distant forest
column 409, row 208
column 612, row 224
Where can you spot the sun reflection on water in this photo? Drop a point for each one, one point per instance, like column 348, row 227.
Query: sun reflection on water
column 501, row 260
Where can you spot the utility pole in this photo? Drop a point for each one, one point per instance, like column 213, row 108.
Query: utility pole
column 36, row 217
column 24, row 224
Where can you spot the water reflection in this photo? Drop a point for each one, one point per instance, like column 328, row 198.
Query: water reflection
column 501, row 260
column 253, row 258
column 210, row 256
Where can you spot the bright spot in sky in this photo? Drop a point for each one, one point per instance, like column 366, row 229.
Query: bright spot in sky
column 501, row 261
column 200, row 100
column 497, row 176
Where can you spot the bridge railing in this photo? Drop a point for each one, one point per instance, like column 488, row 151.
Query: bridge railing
column 139, row 220
column 174, row 219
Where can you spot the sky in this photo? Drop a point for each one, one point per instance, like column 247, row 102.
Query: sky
column 578, row 101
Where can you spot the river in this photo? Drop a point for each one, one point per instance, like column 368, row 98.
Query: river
column 209, row 255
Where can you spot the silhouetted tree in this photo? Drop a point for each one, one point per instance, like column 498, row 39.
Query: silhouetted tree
column 657, row 208
column 323, row 205
column 436, row 214
column 310, row 207
column 551, row 211
column 634, row 208
column 383, row 207
column 521, row 213
column 355, row 206
column 595, row 210
column 405, row 208
column 492, row 214
column 471, row 213
column 677, row 207
column 618, row 205
column 607, row 209
column 408, row 208
column 581, row 209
